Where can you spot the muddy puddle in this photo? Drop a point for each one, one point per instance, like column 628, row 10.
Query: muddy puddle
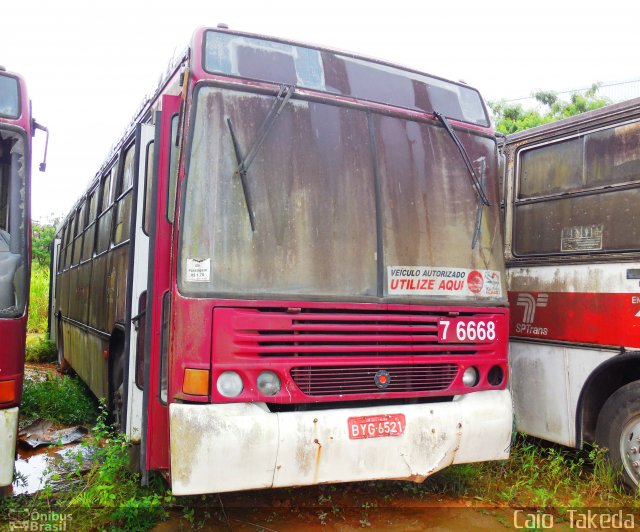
column 55, row 466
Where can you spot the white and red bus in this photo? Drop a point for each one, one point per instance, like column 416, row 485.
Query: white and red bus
column 16, row 130
column 573, row 270
column 290, row 271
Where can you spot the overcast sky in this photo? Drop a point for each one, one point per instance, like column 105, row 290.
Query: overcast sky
column 89, row 64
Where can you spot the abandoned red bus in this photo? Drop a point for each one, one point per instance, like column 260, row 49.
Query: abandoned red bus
column 290, row 269
column 573, row 269
column 16, row 130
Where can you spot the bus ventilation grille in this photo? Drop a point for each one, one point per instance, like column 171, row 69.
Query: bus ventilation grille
column 340, row 380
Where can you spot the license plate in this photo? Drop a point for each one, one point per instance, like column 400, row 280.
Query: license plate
column 376, row 426
column 468, row 330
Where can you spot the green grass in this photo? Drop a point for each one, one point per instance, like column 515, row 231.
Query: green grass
column 40, row 349
column 64, row 400
column 39, row 299
column 538, row 475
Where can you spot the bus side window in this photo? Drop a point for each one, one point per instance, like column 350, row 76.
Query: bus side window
column 63, row 238
column 123, row 207
column 81, row 223
column 104, row 221
column 69, row 241
column 173, row 170
column 90, row 232
column 148, row 182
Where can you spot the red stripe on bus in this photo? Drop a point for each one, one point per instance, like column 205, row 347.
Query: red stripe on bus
column 586, row 318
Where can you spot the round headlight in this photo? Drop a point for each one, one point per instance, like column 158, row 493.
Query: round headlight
column 268, row 383
column 470, row 377
column 229, row 384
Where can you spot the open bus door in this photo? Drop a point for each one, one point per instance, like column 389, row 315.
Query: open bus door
column 155, row 419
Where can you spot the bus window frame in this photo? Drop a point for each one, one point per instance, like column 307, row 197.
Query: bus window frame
column 203, row 55
column 517, row 201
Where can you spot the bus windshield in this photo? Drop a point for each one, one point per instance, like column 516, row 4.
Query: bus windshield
column 9, row 97
column 340, row 198
column 12, row 225
column 341, row 74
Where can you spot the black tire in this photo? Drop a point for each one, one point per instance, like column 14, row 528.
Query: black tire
column 116, row 392
column 618, row 430
column 63, row 365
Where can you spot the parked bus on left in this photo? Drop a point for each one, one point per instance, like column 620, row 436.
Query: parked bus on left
column 16, row 130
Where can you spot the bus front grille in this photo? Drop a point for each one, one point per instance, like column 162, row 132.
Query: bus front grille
column 356, row 380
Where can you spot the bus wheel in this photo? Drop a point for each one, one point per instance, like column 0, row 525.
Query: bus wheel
column 116, row 393
column 618, row 430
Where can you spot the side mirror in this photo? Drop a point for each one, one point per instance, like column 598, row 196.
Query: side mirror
column 35, row 125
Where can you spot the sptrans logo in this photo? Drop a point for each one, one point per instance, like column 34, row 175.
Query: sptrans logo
column 530, row 304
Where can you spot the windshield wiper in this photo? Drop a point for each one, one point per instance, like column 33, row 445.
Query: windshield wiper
column 243, row 175
column 285, row 92
column 475, row 180
column 476, row 231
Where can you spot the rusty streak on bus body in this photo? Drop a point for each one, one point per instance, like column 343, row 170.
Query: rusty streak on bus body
column 300, row 266
column 573, row 255
column 15, row 246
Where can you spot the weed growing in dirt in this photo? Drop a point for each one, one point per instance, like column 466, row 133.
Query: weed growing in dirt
column 112, row 496
column 40, row 349
column 63, row 400
column 537, row 475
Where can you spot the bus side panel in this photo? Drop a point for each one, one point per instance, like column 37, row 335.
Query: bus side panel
column 99, row 293
column 116, row 299
column 546, row 382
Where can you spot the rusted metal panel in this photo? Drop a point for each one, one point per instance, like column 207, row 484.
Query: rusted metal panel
column 99, row 293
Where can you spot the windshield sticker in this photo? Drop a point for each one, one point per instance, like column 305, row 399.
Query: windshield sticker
column 582, row 238
column 451, row 282
column 198, row 270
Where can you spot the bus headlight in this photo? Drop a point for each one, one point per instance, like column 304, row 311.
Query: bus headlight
column 470, row 377
column 229, row 384
column 268, row 383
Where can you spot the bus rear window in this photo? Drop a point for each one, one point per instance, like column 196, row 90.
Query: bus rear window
column 9, row 97
column 323, row 70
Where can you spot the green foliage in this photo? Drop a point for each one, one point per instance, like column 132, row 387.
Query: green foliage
column 112, row 497
column 40, row 349
column 59, row 399
column 511, row 118
column 537, row 475
column 41, row 237
column 38, row 299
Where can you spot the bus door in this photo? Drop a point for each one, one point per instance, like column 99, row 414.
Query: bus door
column 155, row 425
column 144, row 178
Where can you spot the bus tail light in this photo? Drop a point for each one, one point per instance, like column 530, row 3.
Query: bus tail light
column 7, row 391
column 196, row 381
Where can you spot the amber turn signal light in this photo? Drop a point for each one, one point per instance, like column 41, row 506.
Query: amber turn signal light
column 196, row 381
column 7, row 391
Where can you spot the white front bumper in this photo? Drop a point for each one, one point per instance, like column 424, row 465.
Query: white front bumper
column 230, row 447
column 8, row 435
